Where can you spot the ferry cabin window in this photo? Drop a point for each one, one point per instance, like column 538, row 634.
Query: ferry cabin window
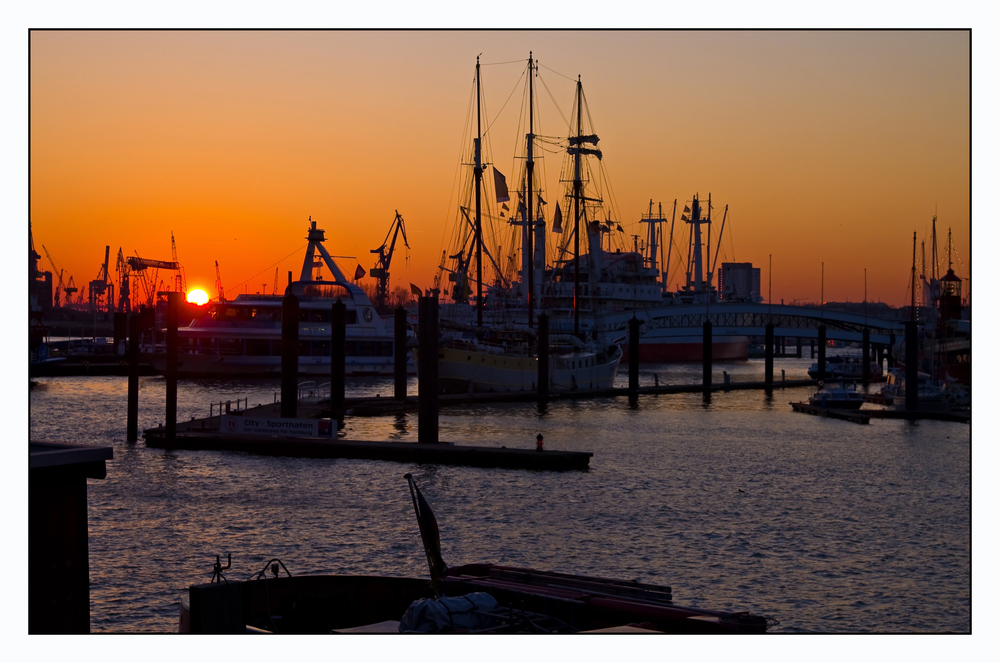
column 326, row 315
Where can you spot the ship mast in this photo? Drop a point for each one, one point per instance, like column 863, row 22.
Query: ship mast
column 577, row 185
column 478, row 170
column 530, row 211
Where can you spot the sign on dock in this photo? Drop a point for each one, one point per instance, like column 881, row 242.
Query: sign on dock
column 232, row 424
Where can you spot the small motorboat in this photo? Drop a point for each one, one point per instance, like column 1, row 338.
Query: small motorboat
column 838, row 396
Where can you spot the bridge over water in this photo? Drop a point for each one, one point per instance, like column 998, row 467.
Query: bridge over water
column 745, row 319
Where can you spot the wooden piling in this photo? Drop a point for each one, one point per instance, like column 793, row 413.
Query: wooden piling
column 173, row 312
column 866, row 356
column 890, row 358
column 633, row 354
column 338, row 359
column 706, row 356
column 821, row 352
column 543, row 355
column 427, row 371
column 399, row 353
column 798, row 347
column 289, row 355
column 769, row 354
column 132, row 415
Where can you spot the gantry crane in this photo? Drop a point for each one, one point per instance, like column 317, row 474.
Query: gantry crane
column 124, row 272
column 381, row 269
column 181, row 279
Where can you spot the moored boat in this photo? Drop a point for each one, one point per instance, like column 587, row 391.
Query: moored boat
column 838, row 395
column 845, row 367
column 471, row 598
column 242, row 337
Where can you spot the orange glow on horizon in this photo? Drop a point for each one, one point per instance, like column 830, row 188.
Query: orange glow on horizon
column 829, row 147
column 197, row 296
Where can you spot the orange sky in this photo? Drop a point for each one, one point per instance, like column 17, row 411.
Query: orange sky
column 830, row 148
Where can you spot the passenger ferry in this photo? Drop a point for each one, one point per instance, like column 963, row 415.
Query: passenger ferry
column 243, row 337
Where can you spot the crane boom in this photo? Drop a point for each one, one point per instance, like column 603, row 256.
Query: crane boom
column 218, row 282
column 381, row 269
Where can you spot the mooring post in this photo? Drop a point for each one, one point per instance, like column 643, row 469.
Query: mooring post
column 812, row 348
column 769, row 355
column 821, row 352
column 173, row 313
column 543, row 355
column 912, row 404
column 399, row 353
column 706, row 356
column 289, row 355
column 120, row 331
column 633, row 354
column 427, row 378
column 338, row 359
column 798, row 347
column 890, row 356
column 866, row 356
column 132, row 427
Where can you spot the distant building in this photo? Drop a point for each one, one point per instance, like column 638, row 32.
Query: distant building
column 739, row 282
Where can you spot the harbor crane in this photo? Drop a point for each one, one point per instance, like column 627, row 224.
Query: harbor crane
column 381, row 269
column 181, row 278
column 61, row 287
column 124, row 272
column 218, row 283
column 141, row 270
column 102, row 288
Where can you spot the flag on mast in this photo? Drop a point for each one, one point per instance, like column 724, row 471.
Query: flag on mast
column 500, row 183
column 359, row 272
column 415, row 290
column 557, row 220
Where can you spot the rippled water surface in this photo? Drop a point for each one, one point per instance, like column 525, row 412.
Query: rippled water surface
column 740, row 503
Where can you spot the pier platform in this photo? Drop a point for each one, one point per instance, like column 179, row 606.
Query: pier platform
column 441, row 453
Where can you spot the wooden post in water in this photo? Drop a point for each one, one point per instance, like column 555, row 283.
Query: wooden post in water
column 338, row 359
column 427, row 371
column 132, row 417
column 173, row 313
column 866, row 356
column 399, row 353
column 289, row 356
column 798, row 347
column 633, row 354
column 812, row 348
column 821, row 352
column 912, row 403
column 890, row 357
column 706, row 356
column 543, row 355
column 769, row 354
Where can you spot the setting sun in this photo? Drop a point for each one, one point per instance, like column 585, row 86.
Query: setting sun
column 197, row 296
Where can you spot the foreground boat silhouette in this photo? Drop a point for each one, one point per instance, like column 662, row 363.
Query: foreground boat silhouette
column 495, row 599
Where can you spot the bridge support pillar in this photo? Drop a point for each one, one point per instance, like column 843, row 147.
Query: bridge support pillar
column 769, row 355
column 812, row 348
column 289, row 356
column 706, row 356
column 866, row 356
column 821, row 352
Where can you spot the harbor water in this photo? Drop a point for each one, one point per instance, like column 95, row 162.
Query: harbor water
column 737, row 503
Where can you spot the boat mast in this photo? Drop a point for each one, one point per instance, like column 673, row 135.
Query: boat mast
column 577, row 185
column 478, row 170
column 913, row 281
column 531, row 168
column 670, row 245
